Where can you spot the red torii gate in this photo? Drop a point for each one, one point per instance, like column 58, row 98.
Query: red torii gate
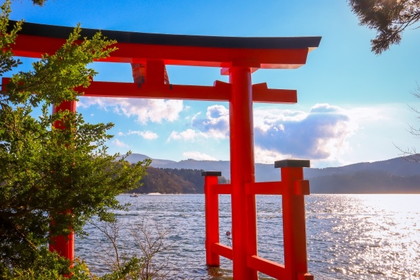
column 237, row 57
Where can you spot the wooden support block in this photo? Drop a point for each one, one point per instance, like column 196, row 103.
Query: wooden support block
column 211, row 173
column 292, row 163
column 302, row 187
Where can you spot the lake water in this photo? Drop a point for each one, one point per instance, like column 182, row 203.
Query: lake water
column 349, row 236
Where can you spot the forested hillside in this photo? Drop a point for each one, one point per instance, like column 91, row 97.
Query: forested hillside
column 397, row 175
column 168, row 180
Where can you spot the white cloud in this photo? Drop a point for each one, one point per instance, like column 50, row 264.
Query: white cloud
column 330, row 135
column 214, row 125
column 322, row 133
column 148, row 135
column 119, row 143
column 187, row 135
column 268, row 156
column 145, row 110
column 197, row 156
column 318, row 134
column 216, row 122
column 265, row 118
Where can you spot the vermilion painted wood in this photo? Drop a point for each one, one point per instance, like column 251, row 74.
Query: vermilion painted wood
column 294, row 231
column 261, row 93
column 219, row 92
column 36, row 46
column 239, row 57
column 265, row 188
column 292, row 188
column 34, row 40
column 222, row 250
column 302, row 187
column 222, row 189
column 63, row 245
column 244, row 229
column 212, row 220
column 277, row 188
column 268, row 267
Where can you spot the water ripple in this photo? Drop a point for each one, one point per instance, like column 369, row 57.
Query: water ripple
column 349, row 236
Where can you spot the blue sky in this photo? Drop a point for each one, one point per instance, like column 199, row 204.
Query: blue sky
column 353, row 105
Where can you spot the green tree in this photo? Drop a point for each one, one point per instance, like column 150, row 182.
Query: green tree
column 388, row 17
column 45, row 172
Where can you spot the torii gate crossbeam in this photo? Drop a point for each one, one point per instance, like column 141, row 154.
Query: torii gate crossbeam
column 238, row 58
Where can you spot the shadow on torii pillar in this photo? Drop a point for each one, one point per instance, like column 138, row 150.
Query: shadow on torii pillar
column 238, row 57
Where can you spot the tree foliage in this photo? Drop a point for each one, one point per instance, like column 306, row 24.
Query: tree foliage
column 388, row 17
column 45, row 172
column 169, row 180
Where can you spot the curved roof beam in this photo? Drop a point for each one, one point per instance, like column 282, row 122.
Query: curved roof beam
column 256, row 52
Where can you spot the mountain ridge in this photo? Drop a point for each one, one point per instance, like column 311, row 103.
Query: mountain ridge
column 397, row 175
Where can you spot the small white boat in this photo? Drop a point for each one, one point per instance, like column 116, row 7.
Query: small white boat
column 154, row 193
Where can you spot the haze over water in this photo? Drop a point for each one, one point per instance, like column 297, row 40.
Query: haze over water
column 349, row 236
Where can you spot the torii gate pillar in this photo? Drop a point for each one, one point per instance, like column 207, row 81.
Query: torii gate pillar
column 242, row 172
column 63, row 245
